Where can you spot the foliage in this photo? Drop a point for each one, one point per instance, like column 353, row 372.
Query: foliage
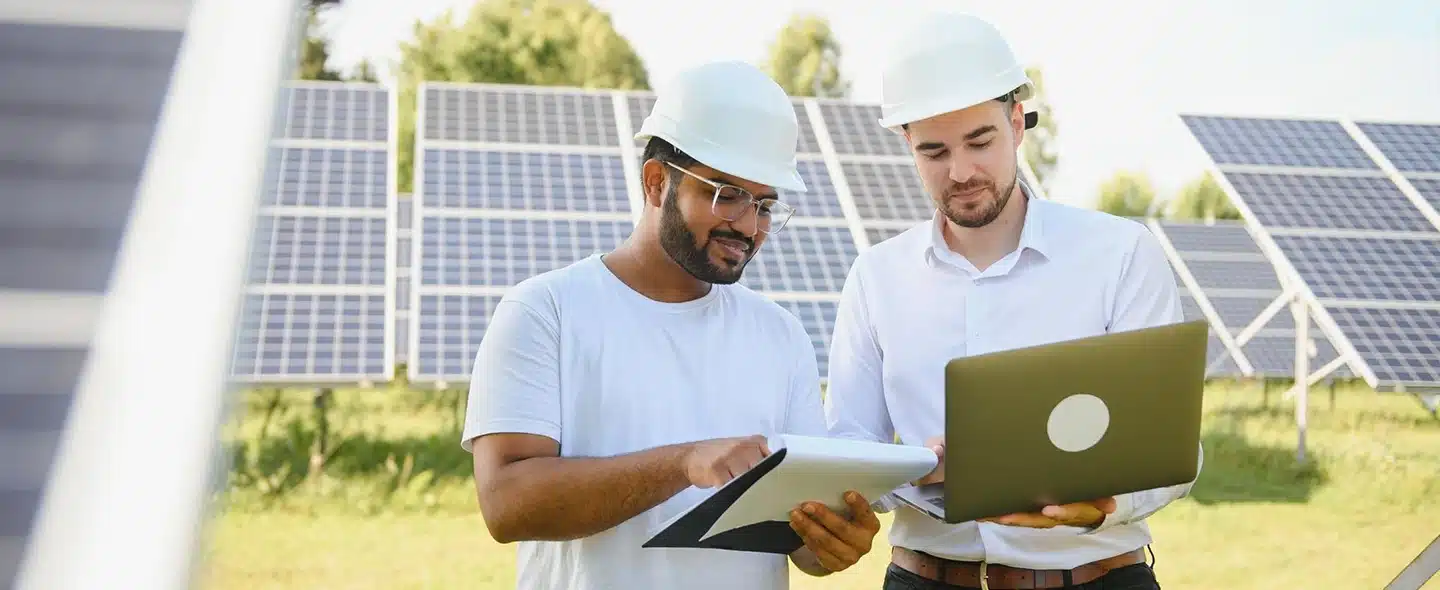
column 1039, row 148
column 315, row 50
column 805, row 59
column 1127, row 194
column 1203, row 199
column 533, row 42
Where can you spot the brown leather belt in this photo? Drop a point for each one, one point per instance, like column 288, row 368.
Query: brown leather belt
column 1001, row 577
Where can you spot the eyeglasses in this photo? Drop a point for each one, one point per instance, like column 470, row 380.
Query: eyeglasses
column 731, row 203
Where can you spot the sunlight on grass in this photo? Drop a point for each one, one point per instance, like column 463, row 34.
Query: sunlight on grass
column 1352, row 517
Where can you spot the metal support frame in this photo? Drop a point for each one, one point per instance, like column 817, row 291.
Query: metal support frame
column 1420, row 570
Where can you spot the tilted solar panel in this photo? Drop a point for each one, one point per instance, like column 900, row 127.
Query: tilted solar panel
column 803, row 259
column 888, row 191
column 523, row 181
column 517, row 114
column 1355, row 239
column 1411, row 147
column 1277, row 142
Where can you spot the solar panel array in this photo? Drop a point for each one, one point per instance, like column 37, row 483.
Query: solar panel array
column 1220, row 266
column 319, row 307
column 514, row 181
column 1350, row 209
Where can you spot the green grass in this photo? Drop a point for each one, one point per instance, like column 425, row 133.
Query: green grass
column 1365, row 503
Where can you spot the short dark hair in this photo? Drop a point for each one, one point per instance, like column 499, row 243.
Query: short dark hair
column 664, row 151
column 1005, row 100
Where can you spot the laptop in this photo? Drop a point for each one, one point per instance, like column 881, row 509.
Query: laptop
column 1069, row 422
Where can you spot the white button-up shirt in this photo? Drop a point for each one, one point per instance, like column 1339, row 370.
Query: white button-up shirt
column 910, row 304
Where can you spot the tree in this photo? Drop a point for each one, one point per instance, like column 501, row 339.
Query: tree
column 1203, row 199
column 805, row 59
column 365, row 72
column 315, row 49
column 1039, row 148
column 1127, row 194
column 536, row 42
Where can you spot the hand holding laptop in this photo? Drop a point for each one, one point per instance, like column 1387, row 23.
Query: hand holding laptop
column 1078, row 514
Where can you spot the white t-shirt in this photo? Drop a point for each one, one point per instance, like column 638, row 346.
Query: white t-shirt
column 578, row 356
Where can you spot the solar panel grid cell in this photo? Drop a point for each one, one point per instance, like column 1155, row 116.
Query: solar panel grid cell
column 519, row 115
column 804, row 259
column 449, row 329
column 503, row 252
column 1327, row 202
column 855, row 130
column 1377, row 269
column 1411, row 147
column 819, row 200
column 337, row 114
column 334, row 337
column 888, row 191
column 1399, row 345
column 520, row 181
column 1277, row 142
column 318, row 250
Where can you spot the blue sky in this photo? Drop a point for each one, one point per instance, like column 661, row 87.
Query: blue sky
column 1117, row 71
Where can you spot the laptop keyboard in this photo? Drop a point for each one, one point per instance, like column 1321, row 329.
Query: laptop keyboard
column 936, row 502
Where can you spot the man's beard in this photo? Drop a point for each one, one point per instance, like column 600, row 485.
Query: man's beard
column 988, row 211
column 679, row 242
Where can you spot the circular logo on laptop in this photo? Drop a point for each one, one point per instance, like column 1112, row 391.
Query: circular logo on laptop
column 1078, row 422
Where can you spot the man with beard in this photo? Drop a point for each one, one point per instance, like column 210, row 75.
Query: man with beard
column 608, row 393
column 995, row 269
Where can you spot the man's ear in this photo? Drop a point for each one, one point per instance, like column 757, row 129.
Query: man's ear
column 652, row 181
column 1017, row 123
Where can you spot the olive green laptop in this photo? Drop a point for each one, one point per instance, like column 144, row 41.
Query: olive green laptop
column 1068, row 422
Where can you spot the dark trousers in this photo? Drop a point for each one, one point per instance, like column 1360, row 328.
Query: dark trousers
column 1132, row 577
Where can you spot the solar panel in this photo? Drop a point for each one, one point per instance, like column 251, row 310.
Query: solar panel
column 1354, row 238
column 1221, row 237
column 1411, row 147
column 523, row 181
column 802, row 259
column 888, row 191
column 468, row 251
column 1372, row 269
column 855, row 130
column 639, row 106
column 880, row 234
column 333, row 112
column 1277, row 142
column 518, row 114
column 319, row 261
column 318, row 250
column 1274, row 356
column 1327, row 202
column 448, row 330
column 819, row 199
column 1401, row 346
column 329, row 177
column 819, row 320
column 78, row 107
column 1429, row 189
column 324, row 338
column 1233, row 274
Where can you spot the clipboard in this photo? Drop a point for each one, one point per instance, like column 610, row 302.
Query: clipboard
column 751, row 512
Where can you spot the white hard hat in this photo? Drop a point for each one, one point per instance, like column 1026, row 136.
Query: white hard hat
column 948, row 62
column 732, row 117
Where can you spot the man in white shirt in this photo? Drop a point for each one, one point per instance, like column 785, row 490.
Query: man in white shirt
column 608, row 394
column 995, row 269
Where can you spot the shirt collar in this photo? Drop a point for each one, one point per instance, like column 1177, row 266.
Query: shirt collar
column 1032, row 231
